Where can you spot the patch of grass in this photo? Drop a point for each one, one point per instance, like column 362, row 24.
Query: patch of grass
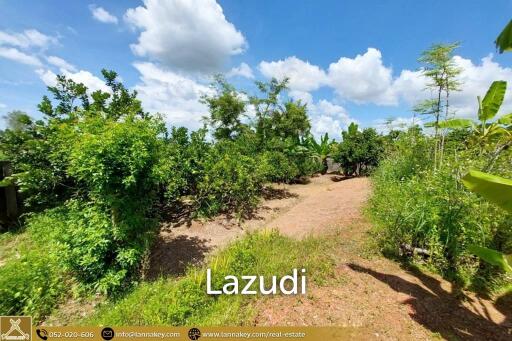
column 184, row 301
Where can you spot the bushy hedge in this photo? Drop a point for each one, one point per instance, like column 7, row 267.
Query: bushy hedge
column 93, row 169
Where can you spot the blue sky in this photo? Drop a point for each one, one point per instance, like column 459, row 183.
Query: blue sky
column 349, row 60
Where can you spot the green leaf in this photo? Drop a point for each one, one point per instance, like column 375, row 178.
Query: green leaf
column 457, row 123
column 429, row 124
column 504, row 40
column 6, row 182
column 494, row 188
column 505, row 119
column 492, row 257
column 492, row 100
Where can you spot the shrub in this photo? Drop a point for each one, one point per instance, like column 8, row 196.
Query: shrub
column 277, row 167
column 415, row 205
column 110, row 227
column 231, row 181
column 359, row 151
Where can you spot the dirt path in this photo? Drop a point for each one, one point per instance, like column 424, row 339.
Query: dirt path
column 371, row 292
column 296, row 210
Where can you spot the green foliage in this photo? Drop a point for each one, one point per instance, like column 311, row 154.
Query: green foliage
column 277, row 167
column 33, row 280
column 30, row 285
column 492, row 101
column 416, row 206
column 99, row 164
column 504, row 40
column 494, row 188
column 359, row 152
column 184, row 301
column 321, row 151
column 492, row 257
column 227, row 109
column 232, row 181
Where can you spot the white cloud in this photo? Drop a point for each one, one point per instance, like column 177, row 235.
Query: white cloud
column 191, row 35
column 325, row 116
column 2, row 106
column 60, row 63
column 363, row 79
column 174, row 95
column 92, row 82
column 411, row 86
column 102, row 15
column 26, row 39
column 325, row 124
column 18, row 56
column 475, row 80
column 303, row 75
column 384, row 126
column 243, row 70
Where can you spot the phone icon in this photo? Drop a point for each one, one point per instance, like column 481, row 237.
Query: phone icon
column 42, row 333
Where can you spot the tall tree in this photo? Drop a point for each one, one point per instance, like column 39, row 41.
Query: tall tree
column 442, row 74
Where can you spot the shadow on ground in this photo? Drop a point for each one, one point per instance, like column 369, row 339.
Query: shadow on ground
column 441, row 311
column 273, row 193
column 171, row 257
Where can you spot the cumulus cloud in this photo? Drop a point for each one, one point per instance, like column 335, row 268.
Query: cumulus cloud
column 18, row 56
column 26, row 39
column 171, row 94
column 327, row 117
column 243, row 70
column 302, row 75
column 192, row 35
column 60, row 63
column 92, row 82
column 363, row 79
column 102, row 15
column 475, row 79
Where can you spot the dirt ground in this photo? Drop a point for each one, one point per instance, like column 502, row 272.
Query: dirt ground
column 372, row 293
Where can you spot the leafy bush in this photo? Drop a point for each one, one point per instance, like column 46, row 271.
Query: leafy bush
column 413, row 205
column 359, row 151
column 277, row 167
column 232, row 181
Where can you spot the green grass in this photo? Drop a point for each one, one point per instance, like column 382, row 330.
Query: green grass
column 184, row 301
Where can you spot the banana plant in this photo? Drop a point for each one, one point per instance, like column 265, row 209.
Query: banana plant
column 499, row 191
column 320, row 151
column 484, row 128
column 494, row 188
column 493, row 135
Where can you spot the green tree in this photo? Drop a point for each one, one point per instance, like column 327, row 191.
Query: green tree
column 359, row 151
column 227, row 108
column 442, row 74
column 17, row 120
